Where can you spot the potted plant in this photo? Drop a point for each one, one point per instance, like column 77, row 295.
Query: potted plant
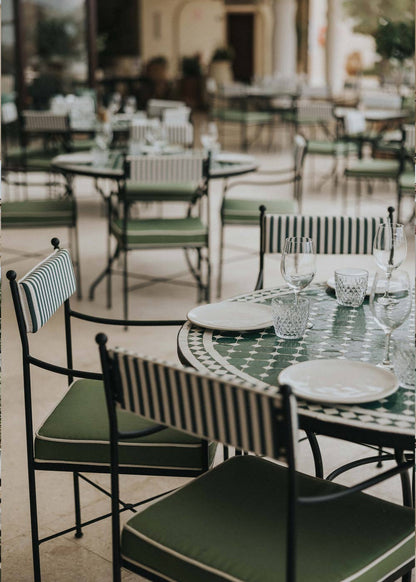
column 220, row 68
column 191, row 82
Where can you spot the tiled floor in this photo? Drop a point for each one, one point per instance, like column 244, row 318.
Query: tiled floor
column 89, row 559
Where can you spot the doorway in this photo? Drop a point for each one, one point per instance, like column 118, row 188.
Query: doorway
column 240, row 36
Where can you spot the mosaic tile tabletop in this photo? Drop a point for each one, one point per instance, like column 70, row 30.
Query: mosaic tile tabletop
column 337, row 332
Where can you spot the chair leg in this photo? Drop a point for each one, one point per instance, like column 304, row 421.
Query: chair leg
column 345, row 195
column 316, row 452
column 220, row 260
column 77, row 504
column 125, row 286
column 34, row 523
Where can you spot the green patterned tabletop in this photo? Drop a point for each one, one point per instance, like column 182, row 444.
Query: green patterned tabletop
column 337, row 332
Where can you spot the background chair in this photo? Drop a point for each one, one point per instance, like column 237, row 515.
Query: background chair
column 244, row 211
column 74, row 437
column 160, row 179
column 331, row 234
column 406, row 181
column 248, row 518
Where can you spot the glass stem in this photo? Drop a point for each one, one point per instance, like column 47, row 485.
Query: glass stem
column 386, row 360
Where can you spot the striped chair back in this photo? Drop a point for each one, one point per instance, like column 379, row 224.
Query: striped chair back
column 160, row 169
column 44, row 121
column 331, row 235
column 141, row 127
column 179, row 133
column 236, row 414
column 317, row 111
column 177, row 115
column 45, row 288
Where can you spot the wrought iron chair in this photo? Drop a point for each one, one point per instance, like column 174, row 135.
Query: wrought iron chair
column 368, row 169
column 177, row 178
column 332, row 235
column 75, row 436
column 249, row 518
column 244, row 211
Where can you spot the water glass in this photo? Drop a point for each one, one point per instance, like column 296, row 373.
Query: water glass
column 403, row 358
column 290, row 318
column 351, row 286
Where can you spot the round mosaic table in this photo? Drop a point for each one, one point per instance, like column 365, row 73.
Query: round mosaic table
column 337, row 332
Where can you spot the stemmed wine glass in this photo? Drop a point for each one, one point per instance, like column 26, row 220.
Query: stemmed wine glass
column 389, row 247
column 298, row 264
column 390, row 304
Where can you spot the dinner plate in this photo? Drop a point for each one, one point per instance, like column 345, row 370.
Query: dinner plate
column 232, row 316
column 230, row 158
column 339, row 381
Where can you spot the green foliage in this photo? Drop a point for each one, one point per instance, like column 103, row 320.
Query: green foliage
column 191, row 66
column 223, row 54
column 395, row 40
column 368, row 14
column 55, row 37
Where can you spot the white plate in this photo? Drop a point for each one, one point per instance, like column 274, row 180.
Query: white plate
column 232, row 316
column 339, row 381
column 230, row 158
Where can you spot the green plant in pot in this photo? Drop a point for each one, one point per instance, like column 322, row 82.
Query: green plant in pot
column 220, row 68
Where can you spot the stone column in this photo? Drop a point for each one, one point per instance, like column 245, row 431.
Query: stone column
column 333, row 53
column 285, row 37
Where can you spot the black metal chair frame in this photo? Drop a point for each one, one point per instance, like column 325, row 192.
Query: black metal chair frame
column 291, row 175
column 70, row 372
column 119, row 206
column 113, row 397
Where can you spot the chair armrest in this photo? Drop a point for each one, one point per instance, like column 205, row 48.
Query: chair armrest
column 359, row 486
column 255, row 183
column 65, row 371
column 125, row 322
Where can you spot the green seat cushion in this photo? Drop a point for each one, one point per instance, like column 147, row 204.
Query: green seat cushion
column 161, row 192
column 38, row 213
column 82, row 145
column 32, row 158
column 374, row 169
column 239, row 211
column 230, row 524
column 163, row 232
column 77, row 431
column 407, row 181
column 239, row 116
column 330, row 148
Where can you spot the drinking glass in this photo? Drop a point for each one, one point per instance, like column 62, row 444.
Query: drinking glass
column 298, row 264
column 390, row 304
column 290, row 319
column 130, row 106
column 209, row 136
column 114, row 104
column 390, row 246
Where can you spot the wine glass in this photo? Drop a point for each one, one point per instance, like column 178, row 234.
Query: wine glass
column 389, row 246
column 114, row 104
column 209, row 136
column 298, row 264
column 390, row 304
column 130, row 106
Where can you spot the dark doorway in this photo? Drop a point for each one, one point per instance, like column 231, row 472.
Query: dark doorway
column 240, row 36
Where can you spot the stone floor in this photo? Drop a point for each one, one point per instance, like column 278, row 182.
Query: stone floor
column 88, row 559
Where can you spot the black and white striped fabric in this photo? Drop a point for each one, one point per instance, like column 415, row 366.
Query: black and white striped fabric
column 318, row 111
column 331, row 234
column 239, row 415
column 45, row 288
column 44, row 121
column 141, row 127
column 184, row 168
column 180, row 133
